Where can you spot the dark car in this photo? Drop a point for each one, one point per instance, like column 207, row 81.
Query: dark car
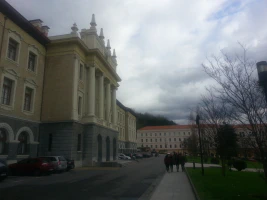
column 3, row 170
column 138, row 155
column 70, row 164
column 35, row 166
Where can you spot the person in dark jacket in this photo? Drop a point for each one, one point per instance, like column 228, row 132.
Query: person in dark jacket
column 182, row 161
column 177, row 161
column 168, row 161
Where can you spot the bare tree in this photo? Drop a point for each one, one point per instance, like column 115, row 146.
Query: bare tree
column 239, row 88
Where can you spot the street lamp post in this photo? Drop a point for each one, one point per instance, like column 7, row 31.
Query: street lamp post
column 200, row 144
column 262, row 73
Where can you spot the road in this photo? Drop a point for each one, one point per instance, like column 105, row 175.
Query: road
column 128, row 183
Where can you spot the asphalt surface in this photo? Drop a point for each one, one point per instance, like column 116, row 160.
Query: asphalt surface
column 134, row 181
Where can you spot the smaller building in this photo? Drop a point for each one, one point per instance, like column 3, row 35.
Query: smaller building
column 127, row 129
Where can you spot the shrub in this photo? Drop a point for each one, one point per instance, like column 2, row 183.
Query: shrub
column 214, row 161
column 239, row 165
column 206, row 159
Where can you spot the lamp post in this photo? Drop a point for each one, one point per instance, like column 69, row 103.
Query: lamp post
column 262, row 73
column 200, row 144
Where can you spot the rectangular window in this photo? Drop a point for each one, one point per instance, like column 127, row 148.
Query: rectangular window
column 150, row 140
column 156, row 146
column 79, row 142
column 170, row 146
column 32, row 61
column 165, row 145
column 141, row 140
column 175, row 139
column 160, row 134
column 151, row 146
column 7, row 91
column 155, row 140
column 80, row 106
column 12, row 49
column 50, row 141
column 160, row 146
column 155, row 134
column 164, row 134
column 81, row 72
column 146, row 140
column 170, row 139
column 180, row 139
column 28, row 99
column 160, row 139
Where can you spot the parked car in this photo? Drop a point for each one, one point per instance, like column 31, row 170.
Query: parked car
column 59, row 162
column 35, row 166
column 146, row 155
column 3, row 170
column 138, row 155
column 70, row 164
column 124, row 157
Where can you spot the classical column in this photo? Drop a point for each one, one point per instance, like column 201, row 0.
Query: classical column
column 101, row 96
column 108, row 101
column 75, row 78
column 114, row 107
column 91, row 106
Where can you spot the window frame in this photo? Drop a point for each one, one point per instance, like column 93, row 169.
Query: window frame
column 31, row 86
column 13, row 92
column 17, row 38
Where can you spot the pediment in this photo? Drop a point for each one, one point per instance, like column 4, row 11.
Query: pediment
column 30, row 81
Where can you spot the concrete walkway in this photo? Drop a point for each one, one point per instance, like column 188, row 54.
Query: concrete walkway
column 174, row 185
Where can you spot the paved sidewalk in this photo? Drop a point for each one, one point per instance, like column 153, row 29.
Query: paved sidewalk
column 174, row 185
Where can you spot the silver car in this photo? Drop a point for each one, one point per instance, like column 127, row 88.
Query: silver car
column 59, row 162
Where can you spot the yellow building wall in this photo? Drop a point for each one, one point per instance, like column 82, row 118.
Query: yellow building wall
column 20, row 68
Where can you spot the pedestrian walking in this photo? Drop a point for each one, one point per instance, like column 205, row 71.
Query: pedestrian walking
column 167, row 161
column 177, row 161
column 182, row 161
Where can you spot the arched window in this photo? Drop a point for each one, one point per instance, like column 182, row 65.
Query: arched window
column 3, row 141
column 23, row 144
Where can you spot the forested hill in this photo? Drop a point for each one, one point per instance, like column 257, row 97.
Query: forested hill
column 146, row 119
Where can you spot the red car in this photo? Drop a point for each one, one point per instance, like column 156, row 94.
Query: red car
column 35, row 166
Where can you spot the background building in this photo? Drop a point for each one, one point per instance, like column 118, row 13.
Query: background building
column 127, row 129
column 22, row 63
column 167, row 138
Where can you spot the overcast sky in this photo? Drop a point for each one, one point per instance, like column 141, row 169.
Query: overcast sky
column 160, row 44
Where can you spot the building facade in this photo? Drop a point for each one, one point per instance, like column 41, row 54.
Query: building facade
column 171, row 138
column 167, row 138
column 79, row 118
column 58, row 94
column 127, row 129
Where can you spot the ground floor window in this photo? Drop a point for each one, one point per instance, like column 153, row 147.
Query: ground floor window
column 23, row 144
column 3, row 141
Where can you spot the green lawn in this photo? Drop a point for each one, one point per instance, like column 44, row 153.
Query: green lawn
column 250, row 164
column 235, row 185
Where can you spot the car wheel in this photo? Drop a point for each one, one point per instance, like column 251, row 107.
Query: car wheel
column 37, row 172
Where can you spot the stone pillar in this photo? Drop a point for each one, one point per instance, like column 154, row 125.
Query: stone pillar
column 108, row 101
column 101, row 96
column 75, row 88
column 91, row 106
column 114, row 107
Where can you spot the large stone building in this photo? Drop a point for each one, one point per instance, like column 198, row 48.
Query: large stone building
column 22, row 63
column 58, row 94
column 170, row 138
column 79, row 117
column 126, row 128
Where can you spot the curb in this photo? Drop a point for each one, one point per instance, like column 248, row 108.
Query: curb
column 151, row 189
column 192, row 185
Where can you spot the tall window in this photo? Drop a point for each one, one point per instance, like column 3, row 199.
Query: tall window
column 164, row 134
column 81, row 72
column 156, row 146
column 150, row 140
column 151, row 146
column 32, row 61
column 170, row 146
column 141, row 140
column 79, row 142
column 23, row 143
column 160, row 134
column 28, row 99
column 155, row 140
column 7, row 91
column 12, row 49
column 160, row 146
column 50, row 141
column 175, row 139
column 146, row 140
column 180, row 139
column 3, row 142
column 170, row 139
column 160, row 139
column 80, row 106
